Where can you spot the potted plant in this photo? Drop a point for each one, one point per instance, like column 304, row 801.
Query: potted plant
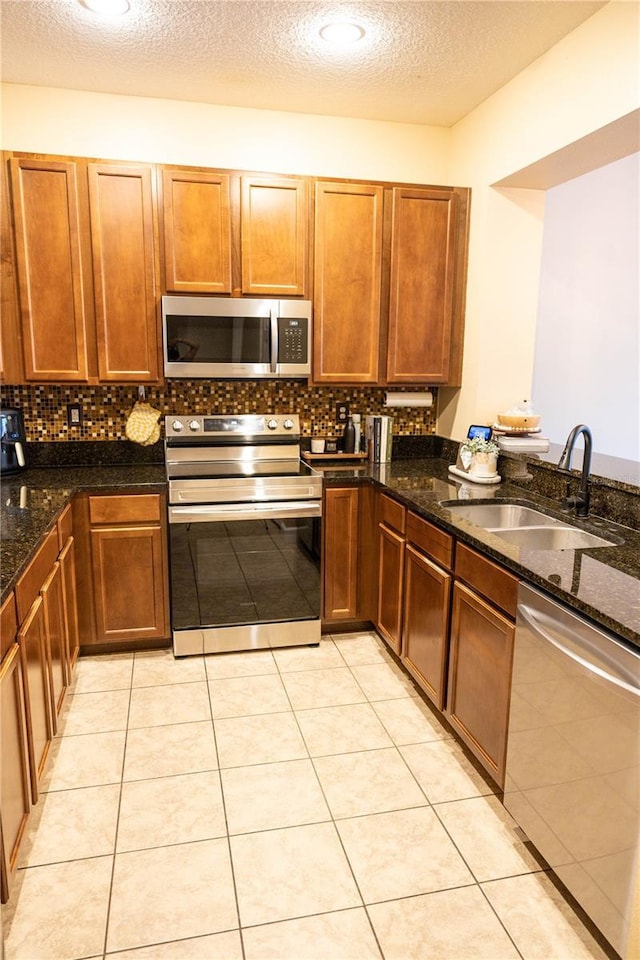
column 480, row 457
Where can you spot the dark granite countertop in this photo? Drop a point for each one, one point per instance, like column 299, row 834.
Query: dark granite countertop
column 32, row 500
column 602, row 583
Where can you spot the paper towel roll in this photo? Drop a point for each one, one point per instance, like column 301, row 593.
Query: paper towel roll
column 397, row 398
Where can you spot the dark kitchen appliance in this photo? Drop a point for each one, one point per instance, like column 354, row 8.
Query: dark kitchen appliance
column 244, row 534
column 12, row 441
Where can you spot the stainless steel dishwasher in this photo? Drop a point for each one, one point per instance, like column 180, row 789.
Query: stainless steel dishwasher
column 573, row 759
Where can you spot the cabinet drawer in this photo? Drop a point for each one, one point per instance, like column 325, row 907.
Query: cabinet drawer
column 29, row 584
column 487, row 578
column 8, row 624
column 431, row 540
column 392, row 513
column 65, row 526
column 133, row 508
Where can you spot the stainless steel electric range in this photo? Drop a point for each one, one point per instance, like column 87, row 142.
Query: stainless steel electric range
column 244, row 534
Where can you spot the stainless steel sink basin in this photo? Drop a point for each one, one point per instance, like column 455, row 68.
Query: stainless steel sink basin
column 552, row 538
column 492, row 516
column 526, row 527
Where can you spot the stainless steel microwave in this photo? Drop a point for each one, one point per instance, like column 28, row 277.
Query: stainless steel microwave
column 230, row 337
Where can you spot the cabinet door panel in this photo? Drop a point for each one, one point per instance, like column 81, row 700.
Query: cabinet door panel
column 72, row 636
column 340, row 554
column 423, row 249
column 32, row 639
column 197, row 231
column 347, row 283
column 55, row 626
column 274, row 236
column 15, row 796
column 129, row 583
column 47, row 233
column 480, row 677
column 390, row 583
column 124, row 272
column 425, row 632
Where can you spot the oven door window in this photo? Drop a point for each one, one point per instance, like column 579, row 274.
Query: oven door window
column 218, row 339
column 244, row 572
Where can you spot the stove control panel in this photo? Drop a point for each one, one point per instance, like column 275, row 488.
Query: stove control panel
column 245, row 427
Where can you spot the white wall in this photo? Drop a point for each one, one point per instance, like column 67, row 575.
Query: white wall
column 109, row 126
column 587, row 356
column 586, row 81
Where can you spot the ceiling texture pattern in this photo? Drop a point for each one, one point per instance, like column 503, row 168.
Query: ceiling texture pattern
column 420, row 62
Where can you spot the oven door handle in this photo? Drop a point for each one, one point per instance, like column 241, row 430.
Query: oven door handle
column 216, row 513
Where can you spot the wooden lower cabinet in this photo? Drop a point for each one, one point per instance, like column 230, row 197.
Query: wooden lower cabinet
column 32, row 639
column 15, row 785
column 68, row 570
column 122, row 569
column 425, row 636
column 390, row 585
column 479, row 686
column 52, row 593
column 15, row 795
column 340, row 553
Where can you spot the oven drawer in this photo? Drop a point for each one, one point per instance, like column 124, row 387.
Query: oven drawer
column 222, row 512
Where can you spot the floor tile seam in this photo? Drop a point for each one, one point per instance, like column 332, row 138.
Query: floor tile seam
column 164, row 943
column 175, row 843
column 382, row 813
column 25, row 868
column 473, row 873
column 316, row 821
column 115, row 838
column 167, row 776
column 62, row 735
column 499, row 918
column 167, row 683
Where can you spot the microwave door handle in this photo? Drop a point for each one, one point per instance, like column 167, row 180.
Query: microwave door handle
column 274, row 340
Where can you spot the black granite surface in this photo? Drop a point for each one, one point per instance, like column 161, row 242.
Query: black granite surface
column 31, row 501
column 603, row 583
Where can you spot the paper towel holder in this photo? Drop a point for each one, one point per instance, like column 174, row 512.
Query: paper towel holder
column 403, row 398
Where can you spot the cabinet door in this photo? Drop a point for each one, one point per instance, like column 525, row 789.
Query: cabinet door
column 480, row 677
column 196, row 231
column 68, row 569
column 32, row 639
column 274, row 236
column 347, row 280
column 390, row 583
column 52, row 593
column 423, row 248
column 122, row 229
column 15, row 796
column 47, row 246
column 425, row 632
column 129, row 582
column 340, row 554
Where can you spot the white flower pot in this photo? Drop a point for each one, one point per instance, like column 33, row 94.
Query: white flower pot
column 484, row 464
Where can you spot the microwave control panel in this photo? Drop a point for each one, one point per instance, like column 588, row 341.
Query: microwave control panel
column 293, row 339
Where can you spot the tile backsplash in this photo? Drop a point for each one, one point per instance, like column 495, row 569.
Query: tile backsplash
column 105, row 408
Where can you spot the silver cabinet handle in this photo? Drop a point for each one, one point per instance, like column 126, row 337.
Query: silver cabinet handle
column 274, row 340
column 212, row 513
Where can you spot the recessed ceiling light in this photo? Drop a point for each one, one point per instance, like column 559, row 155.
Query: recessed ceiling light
column 341, row 34
column 107, row 8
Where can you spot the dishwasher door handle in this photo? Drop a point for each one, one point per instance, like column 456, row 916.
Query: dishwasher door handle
column 529, row 617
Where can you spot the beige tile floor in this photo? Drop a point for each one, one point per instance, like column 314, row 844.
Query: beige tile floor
column 304, row 804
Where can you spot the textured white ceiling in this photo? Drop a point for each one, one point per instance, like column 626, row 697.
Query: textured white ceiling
column 420, row 62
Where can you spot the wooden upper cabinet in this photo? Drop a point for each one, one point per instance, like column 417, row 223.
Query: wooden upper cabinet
column 122, row 235
column 196, row 231
column 49, row 266
column 347, row 281
column 421, row 301
column 274, row 236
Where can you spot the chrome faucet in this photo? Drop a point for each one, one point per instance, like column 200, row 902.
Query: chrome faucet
column 581, row 501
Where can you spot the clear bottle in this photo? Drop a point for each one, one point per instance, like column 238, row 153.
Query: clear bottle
column 349, row 436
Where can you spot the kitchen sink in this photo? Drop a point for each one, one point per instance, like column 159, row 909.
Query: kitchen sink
column 552, row 538
column 526, row 527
